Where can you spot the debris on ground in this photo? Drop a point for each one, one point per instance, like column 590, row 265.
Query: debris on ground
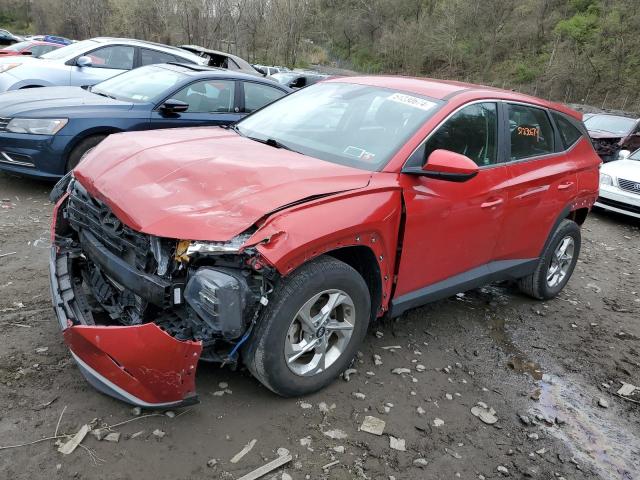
column 112, row 437
column 377, row 360
column 347, row 374
column 626, row 390
column 69, row 446
column 212, row 463
column 269, row 467
column 373, row 425
column 420, row 462
column 247, row 448
column 158, row 433
column 136, row 411
column 359, row 395
column 603, row 403
column 397, row 443
column 330, row 464
column 400, row 371
column 438, row 422
column 484, row 413
column 503, row 470
column 335, row 434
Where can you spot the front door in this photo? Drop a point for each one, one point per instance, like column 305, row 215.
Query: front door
column 451, row 229
column 211, row 102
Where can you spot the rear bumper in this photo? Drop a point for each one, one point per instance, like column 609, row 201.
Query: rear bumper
column 141, row 365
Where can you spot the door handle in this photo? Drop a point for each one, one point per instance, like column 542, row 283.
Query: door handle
column 492, row 203
column 565, row 185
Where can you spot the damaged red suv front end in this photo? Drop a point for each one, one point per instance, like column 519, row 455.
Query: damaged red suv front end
column 150, row 273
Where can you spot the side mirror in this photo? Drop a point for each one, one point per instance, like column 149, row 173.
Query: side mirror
column 446, row 165
column 84, row 61
column 174, row 106
column 298, row 82
column 623, row 154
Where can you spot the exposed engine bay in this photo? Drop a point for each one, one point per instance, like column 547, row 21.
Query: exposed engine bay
column 210, row 292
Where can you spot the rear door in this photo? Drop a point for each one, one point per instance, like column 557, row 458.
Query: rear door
column 451, row 228
column 211, row 102
column 106, row 62
column 543, row 181
column 256, row 95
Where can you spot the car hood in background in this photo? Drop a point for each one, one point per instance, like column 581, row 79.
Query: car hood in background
column 47, row 101
column 204, row 183
column 598, row 134
column 627, row 169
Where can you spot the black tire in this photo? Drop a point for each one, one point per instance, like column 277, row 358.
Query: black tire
column 535, row 284
column 264, row 354
column 80, row 150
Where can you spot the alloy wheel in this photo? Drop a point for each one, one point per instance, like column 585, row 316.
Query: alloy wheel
column 560, row 262
column 320, row 332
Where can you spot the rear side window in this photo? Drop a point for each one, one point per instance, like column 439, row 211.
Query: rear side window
column 473, row 131
column 119, row 57
column 151, row 57
column 569, row 133
column 531, row 132
column 257, row 95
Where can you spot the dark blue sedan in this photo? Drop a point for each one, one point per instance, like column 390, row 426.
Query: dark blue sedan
column 44, row 132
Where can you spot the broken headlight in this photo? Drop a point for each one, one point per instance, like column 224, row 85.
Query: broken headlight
column 232, row 246
column 219, row 297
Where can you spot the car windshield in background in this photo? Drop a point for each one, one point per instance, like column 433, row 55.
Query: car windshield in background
column 635, row 155
column 16, row 47
column 610, row 123
column 72, row 50
column 141, row 85
column 355, row 125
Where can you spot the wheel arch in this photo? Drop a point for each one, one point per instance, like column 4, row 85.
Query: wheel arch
column 86, row 134
column 343, row 227
column 363, row 260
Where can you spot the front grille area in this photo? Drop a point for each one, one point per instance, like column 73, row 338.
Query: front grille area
column 4, row 121
column 622, row 206
column 86, row 212
column 629, row 185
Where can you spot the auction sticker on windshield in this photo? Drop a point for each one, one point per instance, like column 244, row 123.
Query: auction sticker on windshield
column 412, row 101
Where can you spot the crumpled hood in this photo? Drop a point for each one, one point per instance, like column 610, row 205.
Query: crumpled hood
column 598, row 134
column 58, row 101
column 627, row 169
column 204, row 183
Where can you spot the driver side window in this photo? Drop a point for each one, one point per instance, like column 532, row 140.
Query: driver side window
column 472, row 131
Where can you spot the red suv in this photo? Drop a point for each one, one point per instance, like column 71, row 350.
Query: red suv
column 278, row 241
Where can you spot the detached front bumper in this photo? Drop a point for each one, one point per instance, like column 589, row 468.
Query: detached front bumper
column 141, row 365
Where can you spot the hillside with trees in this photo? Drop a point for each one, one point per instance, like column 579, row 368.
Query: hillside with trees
column 569, row 50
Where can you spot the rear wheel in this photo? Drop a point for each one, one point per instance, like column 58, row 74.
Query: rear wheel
column 556, row 264
column 80, row 150
column 311, row 329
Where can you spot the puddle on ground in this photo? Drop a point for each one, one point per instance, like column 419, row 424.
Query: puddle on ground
column 595, row 436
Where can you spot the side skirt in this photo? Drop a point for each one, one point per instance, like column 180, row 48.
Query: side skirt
column 474, row 278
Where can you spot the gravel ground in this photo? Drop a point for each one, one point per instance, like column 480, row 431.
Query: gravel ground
column 550, row 370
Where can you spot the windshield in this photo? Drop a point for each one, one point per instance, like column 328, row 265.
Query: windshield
column 610, row 123
column 355, row 125
column 144, row 84
column 72, row 50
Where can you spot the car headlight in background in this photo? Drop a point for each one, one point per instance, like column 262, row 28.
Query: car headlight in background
column 36, row 126
column 7, row 66
column 606, row 179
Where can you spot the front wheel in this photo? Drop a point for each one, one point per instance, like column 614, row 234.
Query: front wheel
column 556, row 264
column 311, row 329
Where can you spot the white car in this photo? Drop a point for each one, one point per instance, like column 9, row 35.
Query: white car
column 87, row 63
column 620, row 184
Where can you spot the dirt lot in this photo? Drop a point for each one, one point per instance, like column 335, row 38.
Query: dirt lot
column 543, row 367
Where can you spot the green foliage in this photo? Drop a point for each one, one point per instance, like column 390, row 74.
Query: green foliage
column 583, row 28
